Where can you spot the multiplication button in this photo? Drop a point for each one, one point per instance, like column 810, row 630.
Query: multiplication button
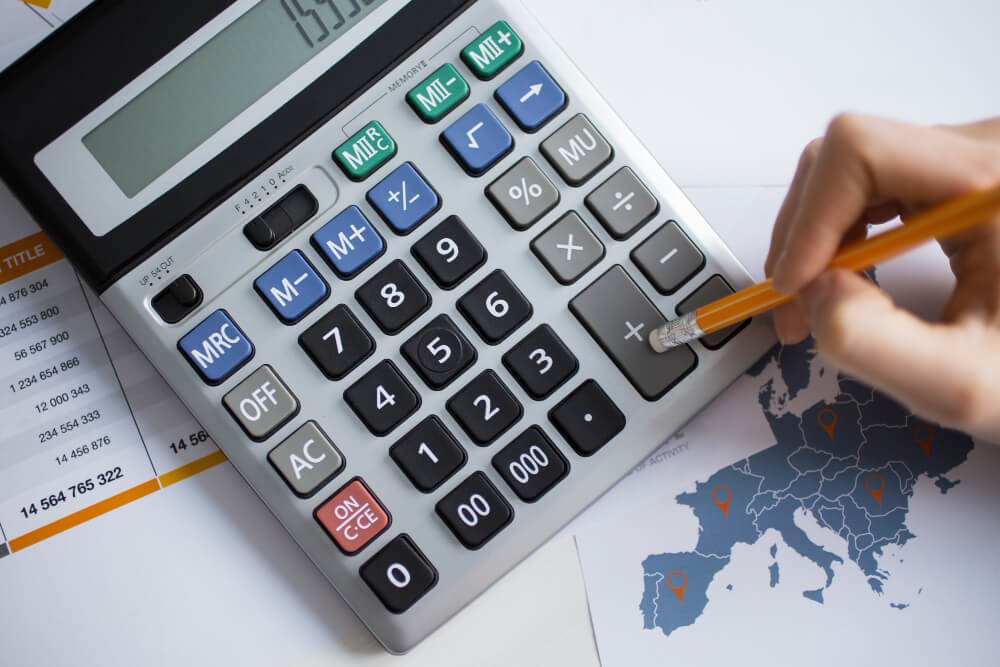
column 261, row 404
column 337, row 343
column 475, row 511
column 523, row 194
column 399, row 574
column 622, row 204
column 568, row 248
column 668, row 258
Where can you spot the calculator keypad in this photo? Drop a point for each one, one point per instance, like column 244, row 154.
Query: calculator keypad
column 382, row 398
column 439, row 352
column 495, row 307
column 337, row 343
column 399, row 574
column 485, row 408
column 449, row 252
column 393, row 297
column 475, row 511
column 428, row 454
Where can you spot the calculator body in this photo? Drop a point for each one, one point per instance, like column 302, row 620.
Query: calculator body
column 405, row 546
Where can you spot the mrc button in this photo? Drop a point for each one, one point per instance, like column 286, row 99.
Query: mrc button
column 261, row 403
column 353, row 517
column 216, row 348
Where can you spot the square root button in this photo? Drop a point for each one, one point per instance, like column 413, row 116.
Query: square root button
column 477, row 140
column 353, row 517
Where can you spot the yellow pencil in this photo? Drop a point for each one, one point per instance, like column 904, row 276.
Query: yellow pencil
column 946, row 220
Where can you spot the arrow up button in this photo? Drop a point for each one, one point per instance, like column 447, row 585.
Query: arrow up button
column 531, row 97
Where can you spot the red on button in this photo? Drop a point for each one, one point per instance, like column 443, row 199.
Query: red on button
column 353, row 516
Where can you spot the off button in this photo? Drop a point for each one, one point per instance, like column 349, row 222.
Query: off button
column 261, row 404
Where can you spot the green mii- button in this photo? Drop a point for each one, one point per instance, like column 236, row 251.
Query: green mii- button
column 493, row 50
column 365, row 152
column 438, row 94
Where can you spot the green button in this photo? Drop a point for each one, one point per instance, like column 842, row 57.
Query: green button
column 365, row 152
column 489, row 53
column 438, row 94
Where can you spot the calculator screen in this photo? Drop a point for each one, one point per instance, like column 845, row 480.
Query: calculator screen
column 214, row 84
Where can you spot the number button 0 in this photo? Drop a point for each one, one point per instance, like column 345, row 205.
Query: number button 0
column 541, row 362
column 393, row 297
column 382, row 398
column 439, row 352
column 399, row 574
column 475, row 511
column 449, row 252
column 485, row 408
column 337, row 343
column 531, row 465
column 495, row 307
column 428, row 454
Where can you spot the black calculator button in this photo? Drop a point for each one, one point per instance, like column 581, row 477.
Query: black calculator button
column 587, row 418
column 178, row 299
column 382, row 398
column 531, row 465
column 399, row 574
column 449, row 252
column 337, row 343
column 428, row 454
column 668, row 258
column 485, row 408
column 475, row 511
column 495, row 307
column 277, row 222
column 439, row 352
column 711, row 290
column 393, row 297
column 541, row 362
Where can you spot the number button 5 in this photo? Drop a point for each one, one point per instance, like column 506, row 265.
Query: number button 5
column 382, row 398
column 449, row 252
column 439, row 352
column 485, row 408
column 541, row 362
column 495, row 307
column 428, row 454
column 393, row 297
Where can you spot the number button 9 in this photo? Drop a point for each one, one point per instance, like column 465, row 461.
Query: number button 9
column 449, row 252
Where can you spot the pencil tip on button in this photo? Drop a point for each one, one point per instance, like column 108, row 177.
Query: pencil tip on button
column 675, row 332
column 656, row 341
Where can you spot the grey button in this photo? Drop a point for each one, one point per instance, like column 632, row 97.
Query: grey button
column 622, row 204
column 261, row 403
column 306, row 459
column 523, row 194
column 577, row 150
column 620, row 317
column 668, row 258
column 711, row 290
column 568, row 248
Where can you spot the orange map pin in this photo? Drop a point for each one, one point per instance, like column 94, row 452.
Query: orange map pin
column 923, row 435
column 723, row 504
column 827, row 418
column 678, row 590
column 876, row 492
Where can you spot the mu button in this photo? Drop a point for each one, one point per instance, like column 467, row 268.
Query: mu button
column 353, row 517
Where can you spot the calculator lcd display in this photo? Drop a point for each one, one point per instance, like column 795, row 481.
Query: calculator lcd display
column 216, row 83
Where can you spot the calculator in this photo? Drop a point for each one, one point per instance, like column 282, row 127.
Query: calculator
column 399, row 258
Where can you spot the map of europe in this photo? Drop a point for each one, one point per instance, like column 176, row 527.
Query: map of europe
column 850, row 465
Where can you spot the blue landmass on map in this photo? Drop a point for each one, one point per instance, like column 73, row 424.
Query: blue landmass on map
column 854, row 475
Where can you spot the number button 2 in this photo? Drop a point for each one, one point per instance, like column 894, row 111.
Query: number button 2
column 382, row 398
column 541, row 362
column 485, row 408
column 439, row 352
column 337, row 343
column 428, row 454
column 393, row 297
column 495, row 307
column 449, row 252
column 475, row 511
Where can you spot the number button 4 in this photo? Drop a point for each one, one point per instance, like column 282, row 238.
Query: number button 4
column 337, row 343
column 495, row 307
column 428, row 454
column 382, row 398
column 541, row 362
column 485, row 408
column 449, row 252
column 475, row 511
column 439, row 352
column 531, row 465
column 393, row 297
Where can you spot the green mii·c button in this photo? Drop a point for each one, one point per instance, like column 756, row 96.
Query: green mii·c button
column 365, row 152
column 438, row 94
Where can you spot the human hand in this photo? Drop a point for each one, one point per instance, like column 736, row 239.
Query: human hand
column 869, row 170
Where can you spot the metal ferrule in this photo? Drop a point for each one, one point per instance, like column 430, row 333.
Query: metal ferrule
column 675, row 332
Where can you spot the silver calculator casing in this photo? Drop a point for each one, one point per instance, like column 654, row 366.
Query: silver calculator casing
column 215, row 252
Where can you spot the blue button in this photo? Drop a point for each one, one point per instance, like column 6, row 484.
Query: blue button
column 348, row 242
column 404, row 198
column 478, row 139
column 531, row 97
column 291, row 287
column 216, row 347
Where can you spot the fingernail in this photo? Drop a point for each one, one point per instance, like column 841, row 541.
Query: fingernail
column 816, row 296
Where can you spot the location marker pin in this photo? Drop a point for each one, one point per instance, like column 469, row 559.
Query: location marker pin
column 875, row 491
column 723, row 504
column 827, row 418
column 678, row 590
column 923, row 435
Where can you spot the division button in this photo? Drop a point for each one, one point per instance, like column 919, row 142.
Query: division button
column 438, row 94
column 382, row 398
column 541, row 362
column 337, row 343
column 531, row 97
column 668, row 258
column 399, row 574
column 523, row 194
column 179, row 298
column 449, row 252
column 216, row 348
column 428, row 454
column 492, row 51
column 439, row 352
column 393, row 297
column 485, row 408
column 291, row 287
column 348, row 242
column 306, row 459
column 577, row 150
column 353, row 516
column 475, row 511
column 495, row 307
column 619, row 316
column 711, row 290
column 477, row 140
column 261, row 404
column 568, row 248
column 587, row 418
column 404, row 199
column 531, row 465
column 366, row 151
column 622, row 204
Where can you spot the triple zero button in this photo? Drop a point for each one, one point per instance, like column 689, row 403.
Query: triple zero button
column 261, row 403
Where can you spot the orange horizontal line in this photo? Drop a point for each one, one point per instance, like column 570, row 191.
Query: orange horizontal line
column 87, row 513
column 193, row 468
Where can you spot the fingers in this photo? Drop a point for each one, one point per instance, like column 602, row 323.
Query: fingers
column 791, row 204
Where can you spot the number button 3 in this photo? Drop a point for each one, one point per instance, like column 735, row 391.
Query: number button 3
column 428, row 454
column 541, row 362
column 439, row 352
column 449, row 252
column 393, row 297
column 495, row 307
column 475, row 511
column 485, row 408
column 382, row 398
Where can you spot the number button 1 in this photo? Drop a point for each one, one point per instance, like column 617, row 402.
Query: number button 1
column 428, row 454
column 382, row 398
column 475, row 511
column 495, row 307
column 393, row 297
column 449, row 252
column 337, row 343
column 439, row 352
column 485, row 408
column 541, row 362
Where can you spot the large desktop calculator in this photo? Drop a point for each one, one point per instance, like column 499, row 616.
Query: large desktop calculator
column 399, row 258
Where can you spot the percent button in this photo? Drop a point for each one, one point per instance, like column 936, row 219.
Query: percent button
column 523, row 194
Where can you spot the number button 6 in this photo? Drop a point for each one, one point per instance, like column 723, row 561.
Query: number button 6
column 495, row 307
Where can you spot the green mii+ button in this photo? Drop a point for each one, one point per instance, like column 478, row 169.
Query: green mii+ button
column 365, row 152
column 493, row 50
column 438, row 94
